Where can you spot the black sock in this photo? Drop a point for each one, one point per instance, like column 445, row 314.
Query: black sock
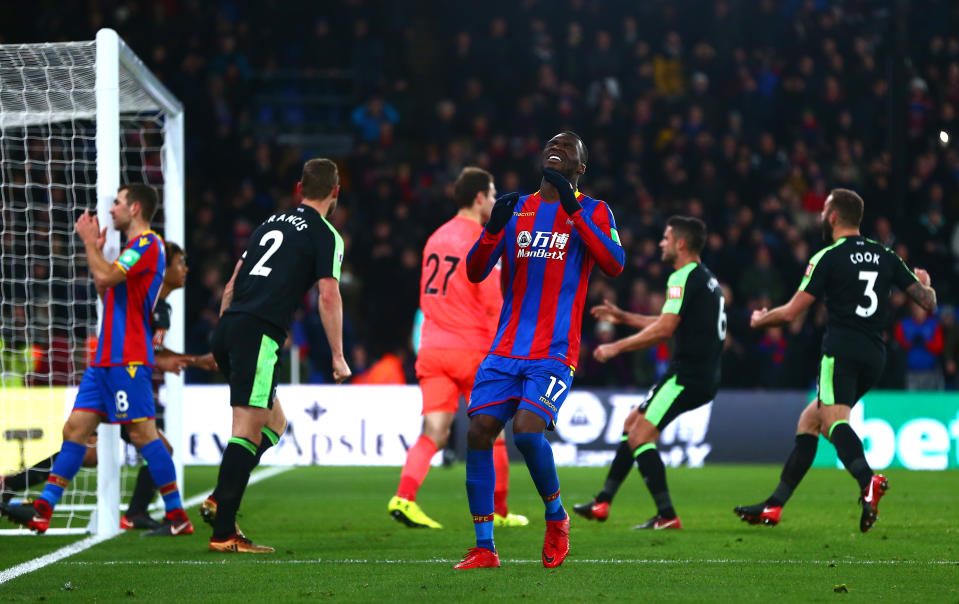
column 654, row 473
column 143, row 493
column 849, row 448
column 239, row 459
column 34, row 475
column 618, row 471
column 799, row 462
column 267, row 440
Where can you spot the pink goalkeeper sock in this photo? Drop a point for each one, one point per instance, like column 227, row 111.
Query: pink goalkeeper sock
column 416, row 467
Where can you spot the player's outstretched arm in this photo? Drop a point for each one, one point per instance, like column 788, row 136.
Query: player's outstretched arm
column 105, row 273
column 921, row 291
column 784, row 314
column 658, row 331
column 607, row 311
column 331, row 315
column 228, row 288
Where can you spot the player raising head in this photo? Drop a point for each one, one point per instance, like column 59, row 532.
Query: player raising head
column 695, row 312
column 853, row 276
column 459, row 322
column 287, row 254
column 547, row 242
column 116, row 388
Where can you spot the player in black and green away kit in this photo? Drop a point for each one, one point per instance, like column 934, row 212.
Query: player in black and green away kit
column 286, row 255
column 853, row 276
column 695, row 311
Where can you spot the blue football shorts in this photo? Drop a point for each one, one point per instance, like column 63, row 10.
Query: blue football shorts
column 504, row 384
column 119, row 394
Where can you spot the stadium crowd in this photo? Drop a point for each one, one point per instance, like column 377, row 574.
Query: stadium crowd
column 744, row 114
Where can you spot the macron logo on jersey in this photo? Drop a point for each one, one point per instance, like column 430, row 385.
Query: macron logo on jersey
column 675, row 292
column 545, row 244
column 808, row 269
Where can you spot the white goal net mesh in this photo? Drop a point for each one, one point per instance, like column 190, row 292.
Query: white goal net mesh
column 48, row 314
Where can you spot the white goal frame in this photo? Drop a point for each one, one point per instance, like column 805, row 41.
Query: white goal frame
column 113, row 56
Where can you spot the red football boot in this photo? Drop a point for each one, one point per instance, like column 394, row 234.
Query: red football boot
column 658, row 523
column 556, row 542
column 594, row 510
column 870, row 501
column 760, row 513
column 479, row 557
column 34, row 516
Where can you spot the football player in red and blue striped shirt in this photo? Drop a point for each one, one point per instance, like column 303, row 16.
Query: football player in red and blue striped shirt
column 116, row 388
column 547, row 243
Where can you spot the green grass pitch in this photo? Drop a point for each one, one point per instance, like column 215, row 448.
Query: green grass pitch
column 335, row 542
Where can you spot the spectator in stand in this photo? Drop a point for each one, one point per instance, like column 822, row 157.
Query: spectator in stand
column 369, row 118
column 920, row 334
column 950, row 352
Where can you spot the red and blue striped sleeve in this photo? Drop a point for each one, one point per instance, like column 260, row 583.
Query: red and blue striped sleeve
column 484, row 255
column 599, row 234
column 140, row 255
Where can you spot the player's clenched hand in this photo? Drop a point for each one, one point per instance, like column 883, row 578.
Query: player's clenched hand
column 206, row 362
column 923, row 276
column 607, row 311
column 341, row 371
column 757, row 316
column 88, row 227
column 501, row 213
column 567, row 197
column 173, row 363
column 605, row 352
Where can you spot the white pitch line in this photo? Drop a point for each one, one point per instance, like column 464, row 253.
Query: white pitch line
column 37, row 563
column 505, row 560
column 74, row 548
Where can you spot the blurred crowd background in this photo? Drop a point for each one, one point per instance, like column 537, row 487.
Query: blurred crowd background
column 744, row 113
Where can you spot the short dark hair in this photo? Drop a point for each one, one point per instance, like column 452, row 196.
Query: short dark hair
column 585, row 157
column 320, row 177
column 472, row 180
column 848, row 205
column 692, row 230
column 145, row 195
column 171, row 250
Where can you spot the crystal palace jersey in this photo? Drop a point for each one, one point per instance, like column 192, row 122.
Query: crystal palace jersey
column 125, row 334
column 854, row 276
column 547, row 257
column 457, row 314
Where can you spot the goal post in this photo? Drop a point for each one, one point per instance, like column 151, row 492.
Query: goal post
column 77, row 120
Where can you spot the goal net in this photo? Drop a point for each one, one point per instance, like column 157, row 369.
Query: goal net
column 77, row 120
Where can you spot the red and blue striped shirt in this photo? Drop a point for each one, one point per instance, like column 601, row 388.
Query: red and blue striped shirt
column 125, row 334
column 547, row 257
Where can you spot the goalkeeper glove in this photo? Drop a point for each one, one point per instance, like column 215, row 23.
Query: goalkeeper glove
column 502, row 212
column 567, row 197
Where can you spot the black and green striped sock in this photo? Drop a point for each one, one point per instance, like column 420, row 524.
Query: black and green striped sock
column 654, row 473
column 618, row 471
column 850, row 451
column 239, row 459
column 268, row 439
column 799, row 462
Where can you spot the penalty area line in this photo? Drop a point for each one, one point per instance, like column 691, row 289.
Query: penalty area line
column 76, row 547
column 319, row 561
